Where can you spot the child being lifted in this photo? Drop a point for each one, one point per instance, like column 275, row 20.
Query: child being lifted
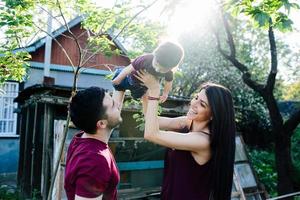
column 160, row 63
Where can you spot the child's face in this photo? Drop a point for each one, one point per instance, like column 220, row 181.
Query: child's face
column 158, row 67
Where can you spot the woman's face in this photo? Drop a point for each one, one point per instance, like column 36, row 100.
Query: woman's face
column 199, row 109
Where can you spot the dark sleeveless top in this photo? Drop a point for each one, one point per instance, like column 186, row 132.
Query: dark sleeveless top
column 184, row 178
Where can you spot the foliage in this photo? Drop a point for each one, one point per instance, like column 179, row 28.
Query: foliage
column 264, row 164
column 13, row 65
column 7, row 194
column 292, row 92
column 264, row 12
column 24, row 21
column 203, row 63
column 139, row 116
column 16, row 23
column 268, row 15
column 263, row 161
column 296, row 157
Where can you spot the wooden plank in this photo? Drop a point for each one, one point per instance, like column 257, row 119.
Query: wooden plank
column 240, row 154
column 22, row 128
column 58, row 129
column 238, row 188
column 245, row 174
column 33, row 164
column 26, row 187
column 140, row 165
column 46, row 161
column 138, row 193
column 58, row 57
column 38, row 155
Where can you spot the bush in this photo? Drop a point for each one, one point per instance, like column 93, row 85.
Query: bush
column 296, row 158
column 264, row 164
column 6, row 193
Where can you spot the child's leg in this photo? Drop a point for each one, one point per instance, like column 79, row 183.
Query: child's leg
column 118, row 97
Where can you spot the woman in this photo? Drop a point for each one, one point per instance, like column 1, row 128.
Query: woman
column 199, row 163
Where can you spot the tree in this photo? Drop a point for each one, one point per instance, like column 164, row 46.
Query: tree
column 203, row 63
column 293, row 91
column 14, row 21
column 24, row 17
column 267, row 15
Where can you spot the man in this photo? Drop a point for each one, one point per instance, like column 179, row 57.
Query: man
column 91, row 171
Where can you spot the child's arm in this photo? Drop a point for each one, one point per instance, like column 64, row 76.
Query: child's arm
column 167, row 89
column 127, row 70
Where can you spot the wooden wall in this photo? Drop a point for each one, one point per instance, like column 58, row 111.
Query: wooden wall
column 58, row 56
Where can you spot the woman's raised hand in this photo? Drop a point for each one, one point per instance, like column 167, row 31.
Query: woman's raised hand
column 148, row 80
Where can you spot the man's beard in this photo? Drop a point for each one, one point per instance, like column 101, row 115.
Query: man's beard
column 113, row 123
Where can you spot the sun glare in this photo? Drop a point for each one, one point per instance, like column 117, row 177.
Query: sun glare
column 193, row 13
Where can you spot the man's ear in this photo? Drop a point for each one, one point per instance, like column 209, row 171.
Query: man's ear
column 102, row 124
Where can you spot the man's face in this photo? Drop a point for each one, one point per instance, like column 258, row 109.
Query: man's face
column 113, row 111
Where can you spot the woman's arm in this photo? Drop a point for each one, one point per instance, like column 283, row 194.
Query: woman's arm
column 192, row 141
column 173, row 124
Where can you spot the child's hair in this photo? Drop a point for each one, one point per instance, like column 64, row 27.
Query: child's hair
column 169, row 54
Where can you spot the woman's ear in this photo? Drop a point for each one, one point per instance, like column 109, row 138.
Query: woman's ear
column 102, row 124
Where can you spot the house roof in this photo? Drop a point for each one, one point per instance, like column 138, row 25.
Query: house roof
column 40, row 42
column 65, row 91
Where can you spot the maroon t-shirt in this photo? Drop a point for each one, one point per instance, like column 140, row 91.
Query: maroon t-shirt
column 90, row 169
column 144, row 62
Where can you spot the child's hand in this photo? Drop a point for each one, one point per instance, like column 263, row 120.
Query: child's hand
column 116, row 82
column 163, row 98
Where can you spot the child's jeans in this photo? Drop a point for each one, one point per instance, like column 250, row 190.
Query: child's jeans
column 137, row 90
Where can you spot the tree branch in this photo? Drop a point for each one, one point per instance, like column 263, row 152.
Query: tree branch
column 273, row 71
column 241, row 67
column 137, row 14
column 63, row 49
column 114, row 38
column 49, row 13
column 229, row 36
column 292, row 122
column 72, row 34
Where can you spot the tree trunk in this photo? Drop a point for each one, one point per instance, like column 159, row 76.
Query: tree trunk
column 283, row 162
column 282, row 147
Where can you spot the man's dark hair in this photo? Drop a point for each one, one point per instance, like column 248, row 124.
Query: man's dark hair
column 169, row 54
column 86, row 109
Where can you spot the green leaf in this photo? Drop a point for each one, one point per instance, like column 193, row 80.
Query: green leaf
column 295, row 5
column 262, row 19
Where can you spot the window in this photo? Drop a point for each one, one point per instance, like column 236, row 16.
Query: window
column 8, row 119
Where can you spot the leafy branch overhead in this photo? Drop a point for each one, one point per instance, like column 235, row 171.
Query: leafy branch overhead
column 26, row 21
column 262, row 11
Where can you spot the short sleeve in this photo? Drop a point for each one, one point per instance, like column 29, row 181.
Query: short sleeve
column 142, row 62
column 169, row 76
column 93, row 178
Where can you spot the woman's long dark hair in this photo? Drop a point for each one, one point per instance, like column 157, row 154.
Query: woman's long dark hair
column 222, row 129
